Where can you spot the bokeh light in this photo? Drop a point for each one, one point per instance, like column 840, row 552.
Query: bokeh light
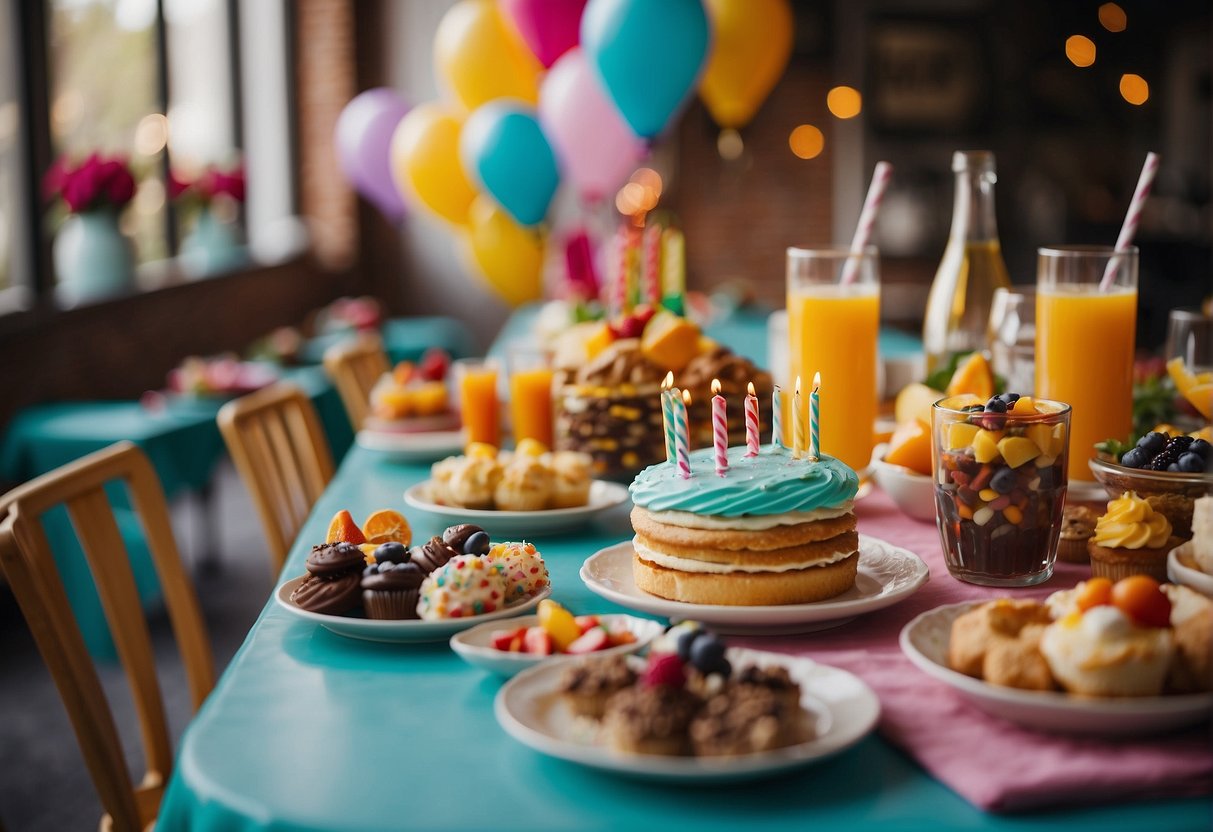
column 844, row 102
column 729, row 144
column 1113, row 17
column 807, row 141
column 1080, row 50
column 151, row 135
column 1134, row 89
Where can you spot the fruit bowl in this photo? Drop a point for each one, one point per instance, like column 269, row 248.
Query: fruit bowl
column 1171, row 493
column 914, row 493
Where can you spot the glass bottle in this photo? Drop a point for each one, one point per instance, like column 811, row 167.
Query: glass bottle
column 958, row 307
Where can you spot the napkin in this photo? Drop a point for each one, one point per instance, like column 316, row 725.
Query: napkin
column 994, row 764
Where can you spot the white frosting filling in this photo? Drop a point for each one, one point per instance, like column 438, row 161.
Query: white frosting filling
column 688, row 520
column 689, row 565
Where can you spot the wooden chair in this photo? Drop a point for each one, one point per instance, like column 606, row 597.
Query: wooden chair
column 354, row 366
column 29, row 565
column 279, row 448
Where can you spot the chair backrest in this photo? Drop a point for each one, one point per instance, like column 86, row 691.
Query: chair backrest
column 354, row 366
column 29, row 564
column 280, row 451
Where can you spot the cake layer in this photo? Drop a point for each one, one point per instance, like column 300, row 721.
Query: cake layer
column 722, row 561
column 743, row 589
column 778, row 537
column 771, row 483
column 767, row 521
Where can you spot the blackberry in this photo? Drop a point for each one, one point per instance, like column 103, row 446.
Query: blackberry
column 1176, row 447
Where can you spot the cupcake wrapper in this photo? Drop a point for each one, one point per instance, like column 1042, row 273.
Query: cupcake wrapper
column 1073, row 551
column 393, row 605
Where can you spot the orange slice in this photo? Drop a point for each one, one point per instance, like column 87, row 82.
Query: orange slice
column 1201, row 397
column 343, row 529
column 973, row 376
column 387, row 526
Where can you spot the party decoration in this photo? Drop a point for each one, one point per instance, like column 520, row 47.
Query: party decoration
column 750, row 50
column 480, row 59
column 647, row 54
column 509, row 256
column 596, row 147
column 425, row 161
column 549, row 27
column 504, row 148
column 363, row 142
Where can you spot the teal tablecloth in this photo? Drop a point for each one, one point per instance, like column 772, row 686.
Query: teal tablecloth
column 307, row 730
column 404, row 339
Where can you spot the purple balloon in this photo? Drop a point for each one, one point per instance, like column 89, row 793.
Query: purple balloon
column 596, row 148
column 363, row 139
column 549, row 27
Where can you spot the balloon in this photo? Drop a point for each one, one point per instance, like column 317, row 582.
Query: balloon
column 511, row 257
column 481, row 59
column 647, row 54
column 363, row 139
column 597, row 149
column 425, row 161
column 753, row 41
column 549, row 27
column 504, row 149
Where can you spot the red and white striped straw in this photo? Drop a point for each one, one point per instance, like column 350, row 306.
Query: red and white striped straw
column 1129, row 230
column 867, row 219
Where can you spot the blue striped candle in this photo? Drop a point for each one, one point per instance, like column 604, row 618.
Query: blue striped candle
column 777, row 417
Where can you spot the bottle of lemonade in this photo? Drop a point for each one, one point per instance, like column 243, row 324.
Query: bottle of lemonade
column 958, row 308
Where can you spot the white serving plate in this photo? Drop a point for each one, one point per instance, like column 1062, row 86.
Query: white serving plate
column 839, row 707
column 887, row 574
column 400, row 632
column 1182, row 569
column 925, row 642
column 424, row 446
column 527, row 524
column 475, row 645
column 914, row 493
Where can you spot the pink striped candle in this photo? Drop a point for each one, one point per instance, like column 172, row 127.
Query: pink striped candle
column 1129, row 230
column 720, row 429
column 682, row 433
column 777, row 417
column 651, row 293
column 751, row 421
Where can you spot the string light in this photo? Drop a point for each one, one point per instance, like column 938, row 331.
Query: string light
column 1134, row 89
column 844, row 102
column 1080, row 50
column 807, row 141
column 1113, row 17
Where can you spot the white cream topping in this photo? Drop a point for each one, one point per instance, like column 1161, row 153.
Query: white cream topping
column 688, row 565
column 687, row 520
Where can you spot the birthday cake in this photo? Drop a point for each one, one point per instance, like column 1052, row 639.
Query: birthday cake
column 771, row 530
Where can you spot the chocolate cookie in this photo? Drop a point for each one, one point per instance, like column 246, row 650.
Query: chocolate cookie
column 457, row 538
column 331, row 560
column 433, row 555
column 329, row 596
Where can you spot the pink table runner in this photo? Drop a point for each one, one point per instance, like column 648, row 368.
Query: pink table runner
column 992, row 763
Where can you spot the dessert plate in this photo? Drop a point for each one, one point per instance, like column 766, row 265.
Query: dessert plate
column 603, row 495
column 839, row 708
column 400, row 632
column 925, row 642
column 887, row 574
column 424, row 446
column 476, row 648
column 1182, row 568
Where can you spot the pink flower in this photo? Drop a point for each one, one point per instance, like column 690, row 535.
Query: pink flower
column 93, row 183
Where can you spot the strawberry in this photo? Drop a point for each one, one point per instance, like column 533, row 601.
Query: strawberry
column 500, row 639
column 585, row 622
column 593, row 640
column 434, row 364
column 537, row 642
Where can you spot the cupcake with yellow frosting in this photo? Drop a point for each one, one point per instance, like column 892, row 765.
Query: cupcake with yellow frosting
column 1131, row 539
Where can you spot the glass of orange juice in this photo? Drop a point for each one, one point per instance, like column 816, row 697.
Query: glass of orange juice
column 479, row 407
column 1085, row 342
column 530, row 371
column 832, row 329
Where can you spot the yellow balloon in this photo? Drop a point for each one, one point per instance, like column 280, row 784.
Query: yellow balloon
column 509, row 256
column 752, row 41
column 481, row 59
column 425, row 161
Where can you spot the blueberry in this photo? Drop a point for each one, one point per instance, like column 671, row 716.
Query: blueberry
column 1135, row 457
column 706, row 652
column 1152, row 444
column 1010, row 398
column 392, row 552
column 1191, row 463
column 1202, row 447
column 994, row 421
column 1003, row 481
column 477, row 543
column 723, row 667
column 684, row 641
column 1173, row 468
column 996, row 405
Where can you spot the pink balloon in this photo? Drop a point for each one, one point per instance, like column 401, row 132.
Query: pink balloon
column 596, row 148
column 549, row 27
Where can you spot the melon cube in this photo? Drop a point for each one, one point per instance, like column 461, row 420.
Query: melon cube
column 1017, row 450
column 1041, row 436
column 599, row 341
column 961, row 435
column 985, row 445
column 1024, row 406
column 669, row 341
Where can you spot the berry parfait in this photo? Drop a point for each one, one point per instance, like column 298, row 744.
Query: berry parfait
column 1167, row 468
column 1000, row 485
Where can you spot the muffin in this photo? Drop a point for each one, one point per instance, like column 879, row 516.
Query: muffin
column 523, row 567
column 1102, row 653
column 1077, row 527
column 650, row 719
column 333, row 580
column 390, row 590
column 1131, row 539
column 745, row 719
column 473, row 482
column 572, row 477
column 1191, row 668
column 774, row 680
column 441, row 473
column 586, row 686
column 467, row 585
column 525, row 485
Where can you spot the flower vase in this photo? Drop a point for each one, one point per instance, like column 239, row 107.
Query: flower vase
column 92, row 257
column 211, row 247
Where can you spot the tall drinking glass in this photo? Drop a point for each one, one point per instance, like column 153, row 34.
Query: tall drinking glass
column 1190, row 340
column 530, row 369
column 479, row 407
column 832, row 330
column 1084, row 342
column 1012, row 336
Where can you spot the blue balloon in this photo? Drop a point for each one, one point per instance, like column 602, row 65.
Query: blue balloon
column 503, row 147
column 648, row 54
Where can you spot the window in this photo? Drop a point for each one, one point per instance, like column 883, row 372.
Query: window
column 11, row 228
